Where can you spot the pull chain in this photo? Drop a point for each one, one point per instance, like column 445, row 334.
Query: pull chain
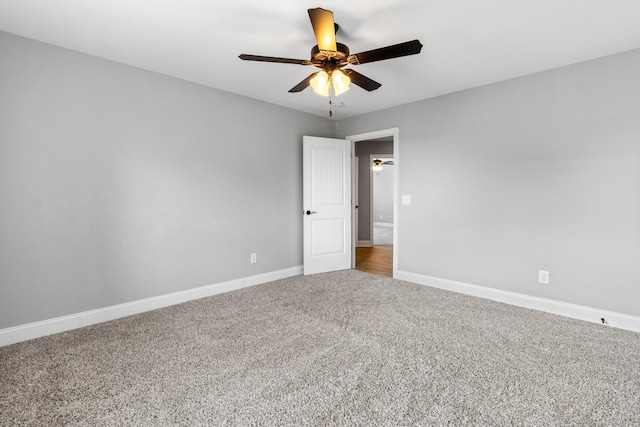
column 330, row 103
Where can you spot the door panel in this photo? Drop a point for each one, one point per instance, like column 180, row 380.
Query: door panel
column 333, row 230
column 327, row 178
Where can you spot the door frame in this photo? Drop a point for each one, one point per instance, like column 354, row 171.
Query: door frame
column 355, row 196
column 395, row 133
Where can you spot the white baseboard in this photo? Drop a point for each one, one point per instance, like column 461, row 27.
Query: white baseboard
column 590, row 314
column 66, row 323
column 383, row 224
column 364, row 243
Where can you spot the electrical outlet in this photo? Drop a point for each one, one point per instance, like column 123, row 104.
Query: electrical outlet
column 543, row 277
column 254, row 258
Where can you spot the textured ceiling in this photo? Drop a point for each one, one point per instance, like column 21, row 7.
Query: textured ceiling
column 467, row 43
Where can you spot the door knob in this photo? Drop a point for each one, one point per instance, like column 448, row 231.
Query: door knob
column 310, row 212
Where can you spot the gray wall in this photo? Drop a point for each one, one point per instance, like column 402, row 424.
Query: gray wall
column 118, row 184
column 363, row 150
column 538, row 172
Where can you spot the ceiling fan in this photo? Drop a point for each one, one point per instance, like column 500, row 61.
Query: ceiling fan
column 330, row 57
column 377, row 164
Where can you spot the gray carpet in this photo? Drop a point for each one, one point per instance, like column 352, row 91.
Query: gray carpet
column 345, row 348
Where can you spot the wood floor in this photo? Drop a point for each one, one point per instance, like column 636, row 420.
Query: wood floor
column 375, row 259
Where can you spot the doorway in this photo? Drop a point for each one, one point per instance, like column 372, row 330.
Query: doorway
column 374, row 214
column 381, row 200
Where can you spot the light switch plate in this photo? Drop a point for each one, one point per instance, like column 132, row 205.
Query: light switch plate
column 406, row 199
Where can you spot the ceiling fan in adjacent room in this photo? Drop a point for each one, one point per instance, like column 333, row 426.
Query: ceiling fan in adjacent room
column 331, row 57
column 377, row 164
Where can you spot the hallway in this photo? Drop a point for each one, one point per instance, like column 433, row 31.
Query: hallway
column 375, row 259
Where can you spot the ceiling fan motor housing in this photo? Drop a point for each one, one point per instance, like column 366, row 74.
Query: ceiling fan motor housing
column 320, row 58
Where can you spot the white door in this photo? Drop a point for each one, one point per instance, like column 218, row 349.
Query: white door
column 326, row 204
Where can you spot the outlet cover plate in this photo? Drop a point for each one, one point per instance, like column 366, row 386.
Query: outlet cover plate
column 543, row 277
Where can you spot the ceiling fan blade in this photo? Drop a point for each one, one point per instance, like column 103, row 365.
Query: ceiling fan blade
column 303, row 84
column 324, row 28
column 363, row 81
column 412, row 47
column 246, row 57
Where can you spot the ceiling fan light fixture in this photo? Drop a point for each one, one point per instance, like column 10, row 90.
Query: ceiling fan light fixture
column 321, row 83
column 377, row 165
column 340, row 82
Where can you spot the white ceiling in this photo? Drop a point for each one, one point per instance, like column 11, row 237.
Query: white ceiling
column 467, row 43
